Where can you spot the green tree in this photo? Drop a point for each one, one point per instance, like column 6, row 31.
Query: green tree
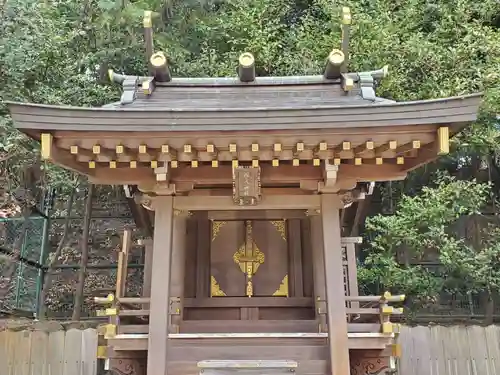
column 425, row 225
column 58, row 52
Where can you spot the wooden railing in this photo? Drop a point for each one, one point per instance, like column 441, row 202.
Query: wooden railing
column 375, row 308
column 372, row 314
column 365, row 314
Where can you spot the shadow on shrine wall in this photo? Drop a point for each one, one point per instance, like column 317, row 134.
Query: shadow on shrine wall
column 433, row 350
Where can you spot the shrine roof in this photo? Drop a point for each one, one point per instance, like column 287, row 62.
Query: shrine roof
column 246, row 108
column 230, row 94
column 190, row 133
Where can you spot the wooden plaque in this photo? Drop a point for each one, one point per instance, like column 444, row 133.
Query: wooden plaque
column 246, row 186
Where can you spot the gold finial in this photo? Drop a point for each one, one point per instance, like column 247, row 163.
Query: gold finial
column 246, row 67
column 346, row 16
column 46, row 140
column 246, row 59
column 443, row 140
column 148, row 19
column 385, row 71
column 158, row 59
column 336, row 57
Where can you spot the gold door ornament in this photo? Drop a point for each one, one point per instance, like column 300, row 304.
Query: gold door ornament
column 216, row 227
column 215, row 290
column 280, row 227
column 282, row 291
column 248, row 257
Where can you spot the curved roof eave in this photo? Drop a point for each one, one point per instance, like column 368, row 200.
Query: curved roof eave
column 456, row 110
column 379, row 102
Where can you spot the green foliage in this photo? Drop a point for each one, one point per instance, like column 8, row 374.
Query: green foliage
column 58, row 52
column 427, row 225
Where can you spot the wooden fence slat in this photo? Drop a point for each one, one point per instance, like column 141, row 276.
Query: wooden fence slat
column 461, row 359
column 89, row 352
column 437, row 350
column 406, row 360
column 492, row 336
column 39, row 353
column 449, row 351
column 433, row 347
column 56, row 353
column 23, row 349
column 4, row 364
column 478, row 350
column 462, row 344
column 73, row 352
column 421, row 347
column 434, row 350
column 12, row 338
column 452, row 349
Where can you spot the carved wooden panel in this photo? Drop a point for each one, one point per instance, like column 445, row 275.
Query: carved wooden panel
column 226, row 277
column 126, row 366
column 249, row 258
column 272, row 277
column 371, row 366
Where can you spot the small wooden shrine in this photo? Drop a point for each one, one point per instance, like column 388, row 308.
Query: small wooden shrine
column 244, row 178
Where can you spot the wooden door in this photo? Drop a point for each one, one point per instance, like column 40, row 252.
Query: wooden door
column 249, row 258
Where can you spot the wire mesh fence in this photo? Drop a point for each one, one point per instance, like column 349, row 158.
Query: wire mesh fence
column 22, row 242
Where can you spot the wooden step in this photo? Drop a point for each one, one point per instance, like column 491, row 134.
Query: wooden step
column 305, row 367
column 129, row 342
column 244, row 326
column 257, row 326
column 256, row 351
column 247, row 367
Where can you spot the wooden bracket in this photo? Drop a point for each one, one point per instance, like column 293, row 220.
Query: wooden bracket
column 161, row 173
column 328, row 185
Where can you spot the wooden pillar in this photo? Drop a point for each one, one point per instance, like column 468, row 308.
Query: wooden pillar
column 160, row 286
column 318, row 271
column 335, row 297
column 203, row 256
column 307, row 258
column 148, row 265
column 295, row 281
column 178, row 269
